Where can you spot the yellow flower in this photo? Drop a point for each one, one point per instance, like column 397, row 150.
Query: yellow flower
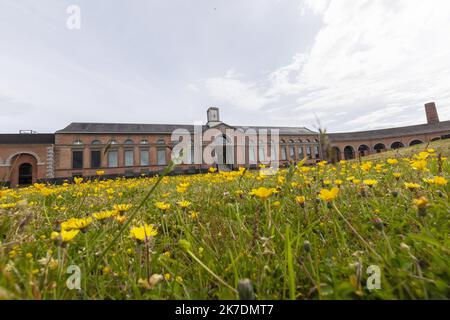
column 328, row 195
column 162, row 206
column 64, row 236
column 370, row 182
column 421, row 202
column 392, row 161
column 143, row 233
column 7, row 205
column 300, row 200
column 356, row 181
column 104, row 214
column 262, row 192
column 276, row 204
column 338, row 182
column 78, row 180
column 366, row 166
column 422, row 156
column 411, row 186
column 100, row 172
column 397, row 175
column 167, row 276
column 184, row 204
column 194, row 215
column 419, row 165
column 181, row 189
column 122, row 208
column 76, row 224
column 212, row 170
column 440, row 181
column 121, row 219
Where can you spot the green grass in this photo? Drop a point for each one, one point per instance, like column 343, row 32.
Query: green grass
column 319, row 251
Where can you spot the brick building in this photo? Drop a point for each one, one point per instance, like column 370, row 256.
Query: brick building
column 83, row 149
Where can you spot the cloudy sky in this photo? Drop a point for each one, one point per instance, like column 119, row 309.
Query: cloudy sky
column 352, row 65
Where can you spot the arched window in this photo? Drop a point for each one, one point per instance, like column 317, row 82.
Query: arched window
column 415, row 143
column 291, row 150
column 363, row 150
column 349, row 153
column 129, row 141
column 96, row 142
column 397, row 145
column 145, row 142
column 379, row 147
column 160, row 141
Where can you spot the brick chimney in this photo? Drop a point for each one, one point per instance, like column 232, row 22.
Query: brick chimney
column 432, row 114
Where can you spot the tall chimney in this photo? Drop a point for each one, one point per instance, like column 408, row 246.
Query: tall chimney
column 432, row 114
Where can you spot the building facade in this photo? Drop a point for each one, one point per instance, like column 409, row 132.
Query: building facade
column 131, row 150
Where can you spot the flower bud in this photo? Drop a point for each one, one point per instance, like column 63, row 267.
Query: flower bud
column 245, row 290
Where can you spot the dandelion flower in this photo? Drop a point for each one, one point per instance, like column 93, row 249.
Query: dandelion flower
column 162, row 206
column 262, row 192
column 64, row 236
column 328, row 195
column 143, row 233
column 411, row 186
column 184, row 204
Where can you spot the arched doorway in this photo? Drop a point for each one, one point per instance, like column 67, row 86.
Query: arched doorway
column 397, row 145
column 379, row 147
column 415, row 143
column 24, row 169
column 25, row 174
column 349, row 153
column 363, row 150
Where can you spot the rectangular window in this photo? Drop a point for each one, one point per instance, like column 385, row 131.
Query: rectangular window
column 309, row 152
column 77, row 159
column 96, row 159
column 262, row 154
column 292, row 152
column 161, row 157
column 317, row 151
column 145, row 159
column 283, row 153
column 301, row 153
column 251, row 154
column 273, row 153
column 129, row 158
column 113, row 159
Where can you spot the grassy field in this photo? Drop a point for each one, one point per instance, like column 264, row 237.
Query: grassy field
column 304, row 233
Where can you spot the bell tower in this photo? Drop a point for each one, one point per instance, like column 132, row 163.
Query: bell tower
column 213, row 116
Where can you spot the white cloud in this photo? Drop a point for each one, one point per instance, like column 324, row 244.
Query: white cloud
column 368, row 56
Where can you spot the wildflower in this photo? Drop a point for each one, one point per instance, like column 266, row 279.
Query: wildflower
column 104, row 214
column 181, row 189
column 411, row 186
column 366, row 166
column 356, row 181
column 370, row 182
column 440, row 181
column 262, row 192
column 379, row 224
column 194, row 215
column 276, row 204
column 328, row 195
column 100, row 172
column 167, row 276
column 338, row 182
column 121, row 219
column 78, row 180
column 422, row 156
column 7, row 205
column 212, row 170
column 184, row 204
column 421, row 204
column 392, row 161
column 29, row 255
column 122, row 208
column 420, row 165
column 64, row 236
column 162, row 206
column 149, row 284
column 300, row 200
column 76, row 224
column 179, row 279
column 143, row 233
column 397, row 175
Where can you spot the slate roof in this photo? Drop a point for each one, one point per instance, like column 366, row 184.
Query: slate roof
column 128, row 128
column 391, row 132
column 35, row 138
